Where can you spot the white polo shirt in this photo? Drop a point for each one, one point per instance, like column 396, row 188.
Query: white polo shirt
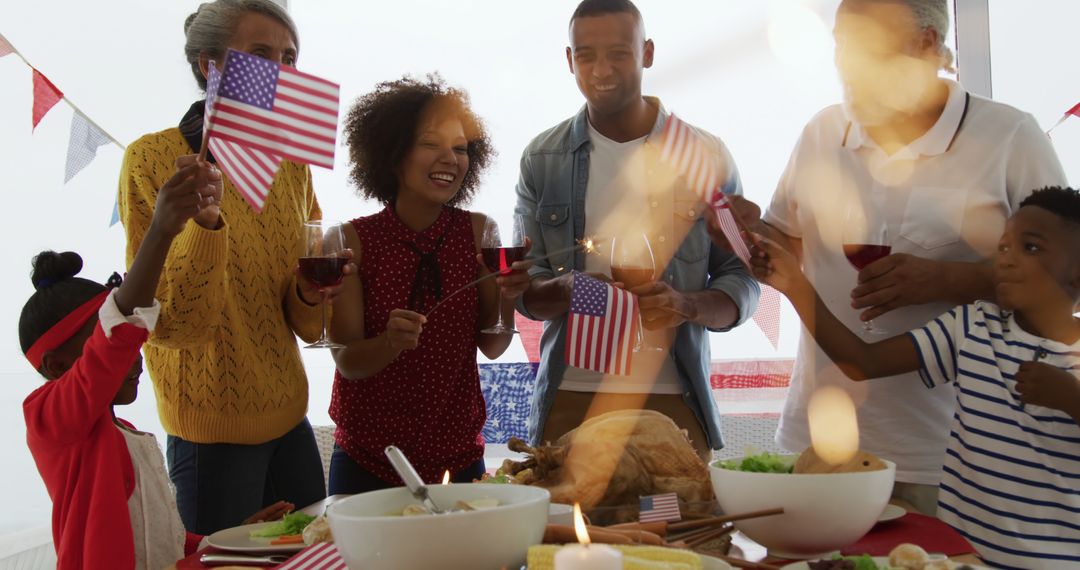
column 945, row 196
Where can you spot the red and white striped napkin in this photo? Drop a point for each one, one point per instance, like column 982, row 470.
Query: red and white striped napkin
column 322, row 556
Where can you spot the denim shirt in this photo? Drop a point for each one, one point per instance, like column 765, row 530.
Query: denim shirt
column 551, row 199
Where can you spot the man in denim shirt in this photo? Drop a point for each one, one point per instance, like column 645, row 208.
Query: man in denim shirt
column 597, row 174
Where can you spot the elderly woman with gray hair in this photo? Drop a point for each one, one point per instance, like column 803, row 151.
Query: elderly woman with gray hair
column 912, row 162
column 231, row 389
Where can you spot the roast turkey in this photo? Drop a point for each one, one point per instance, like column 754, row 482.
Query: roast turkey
column 615, row 458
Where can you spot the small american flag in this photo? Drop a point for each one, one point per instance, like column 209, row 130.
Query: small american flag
column 268, row 112
column 251, row 171
column 321, row 556
column 681, row 147
column 655, row 508
column 603, row 325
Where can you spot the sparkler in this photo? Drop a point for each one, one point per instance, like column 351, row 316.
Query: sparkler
column 587, row 245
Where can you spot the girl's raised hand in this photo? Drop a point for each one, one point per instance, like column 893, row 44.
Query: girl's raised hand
column 211, row 187
column 179, row 200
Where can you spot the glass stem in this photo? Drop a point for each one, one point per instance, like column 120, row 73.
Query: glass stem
column 324, row 337
column 499, row 324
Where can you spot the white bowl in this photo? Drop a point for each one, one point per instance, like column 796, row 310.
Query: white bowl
column 822, row 512
column 370, row 538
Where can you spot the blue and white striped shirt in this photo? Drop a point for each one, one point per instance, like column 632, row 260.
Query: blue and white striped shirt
column 1012, row 472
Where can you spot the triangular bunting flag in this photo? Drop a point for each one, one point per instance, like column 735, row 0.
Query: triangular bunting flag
column 767, row 315
column 5, row 47
column 83, row 144
column 46, row 95
column 115, row 213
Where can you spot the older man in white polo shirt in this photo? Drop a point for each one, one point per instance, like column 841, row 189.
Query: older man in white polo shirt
column 941, row 169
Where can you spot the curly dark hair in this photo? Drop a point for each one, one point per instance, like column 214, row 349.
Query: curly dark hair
column 1065, row 202
column 381, row 126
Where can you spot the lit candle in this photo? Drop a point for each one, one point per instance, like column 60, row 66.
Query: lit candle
column 446, row 477
column 586, row 556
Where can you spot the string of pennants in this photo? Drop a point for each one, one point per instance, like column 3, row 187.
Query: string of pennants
column 86, row 135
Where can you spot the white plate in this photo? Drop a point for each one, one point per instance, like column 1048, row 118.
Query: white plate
column 238, row 539
column 891, row 513
column 881, row 561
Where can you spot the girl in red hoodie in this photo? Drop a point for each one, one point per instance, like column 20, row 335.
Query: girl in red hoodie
column 112, row 505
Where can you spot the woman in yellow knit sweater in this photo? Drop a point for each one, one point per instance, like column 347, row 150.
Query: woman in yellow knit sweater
column 231, row 389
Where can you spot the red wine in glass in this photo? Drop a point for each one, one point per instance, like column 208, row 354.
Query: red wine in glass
column 632, row 277
column 499, row 259
column 860, row 254
column 323, row 271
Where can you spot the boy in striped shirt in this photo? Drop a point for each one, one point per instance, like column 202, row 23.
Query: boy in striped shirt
column 1012, row 469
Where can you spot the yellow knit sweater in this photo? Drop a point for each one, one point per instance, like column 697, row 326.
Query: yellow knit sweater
column 223, row 358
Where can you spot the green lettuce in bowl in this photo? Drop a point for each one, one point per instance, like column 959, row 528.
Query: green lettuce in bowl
column 764, row 462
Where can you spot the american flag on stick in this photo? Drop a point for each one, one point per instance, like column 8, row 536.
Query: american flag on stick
column 1073, row 112
column 603, row 326
column 259, row 113
column 683, row 149
column 656, row 508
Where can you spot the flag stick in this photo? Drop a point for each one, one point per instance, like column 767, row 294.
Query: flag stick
column 205, row 143
column 1057, row 124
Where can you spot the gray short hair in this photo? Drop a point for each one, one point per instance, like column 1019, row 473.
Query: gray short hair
column 210, row 28
column 934, row 14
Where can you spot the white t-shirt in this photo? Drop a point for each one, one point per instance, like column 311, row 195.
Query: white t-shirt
column 1010, row 484
column 618, row 190
column 945, row 196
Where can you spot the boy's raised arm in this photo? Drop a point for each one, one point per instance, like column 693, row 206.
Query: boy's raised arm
column 777, row 267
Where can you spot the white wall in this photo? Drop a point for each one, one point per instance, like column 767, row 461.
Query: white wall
column 121, row 62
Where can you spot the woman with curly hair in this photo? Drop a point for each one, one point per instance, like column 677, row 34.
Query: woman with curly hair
column 416, row 147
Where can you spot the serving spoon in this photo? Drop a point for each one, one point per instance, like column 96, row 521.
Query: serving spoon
column 412, row 480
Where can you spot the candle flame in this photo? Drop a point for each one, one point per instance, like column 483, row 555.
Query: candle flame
column 446, row 477
column 579, row 526
column 834, row 429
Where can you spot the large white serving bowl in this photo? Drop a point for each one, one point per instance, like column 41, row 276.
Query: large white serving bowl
column 370, row 538
column 822, row 512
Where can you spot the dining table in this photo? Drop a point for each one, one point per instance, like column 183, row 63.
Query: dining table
column 928, row 532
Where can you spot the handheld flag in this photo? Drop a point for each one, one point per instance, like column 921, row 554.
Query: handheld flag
column 682, row 147
column 603, row 325
column 260, row 112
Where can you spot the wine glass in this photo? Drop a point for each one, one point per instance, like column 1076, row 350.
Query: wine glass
column 865, row 240
column 323, row 264
column 499, row 254
column 633, row 264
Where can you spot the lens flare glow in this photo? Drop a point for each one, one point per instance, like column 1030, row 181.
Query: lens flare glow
column 798, row 37
column 834, row 430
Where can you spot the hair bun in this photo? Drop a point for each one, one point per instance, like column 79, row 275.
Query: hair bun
column 51, row 267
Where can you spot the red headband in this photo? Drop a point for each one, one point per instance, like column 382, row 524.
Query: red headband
column 65, row 329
